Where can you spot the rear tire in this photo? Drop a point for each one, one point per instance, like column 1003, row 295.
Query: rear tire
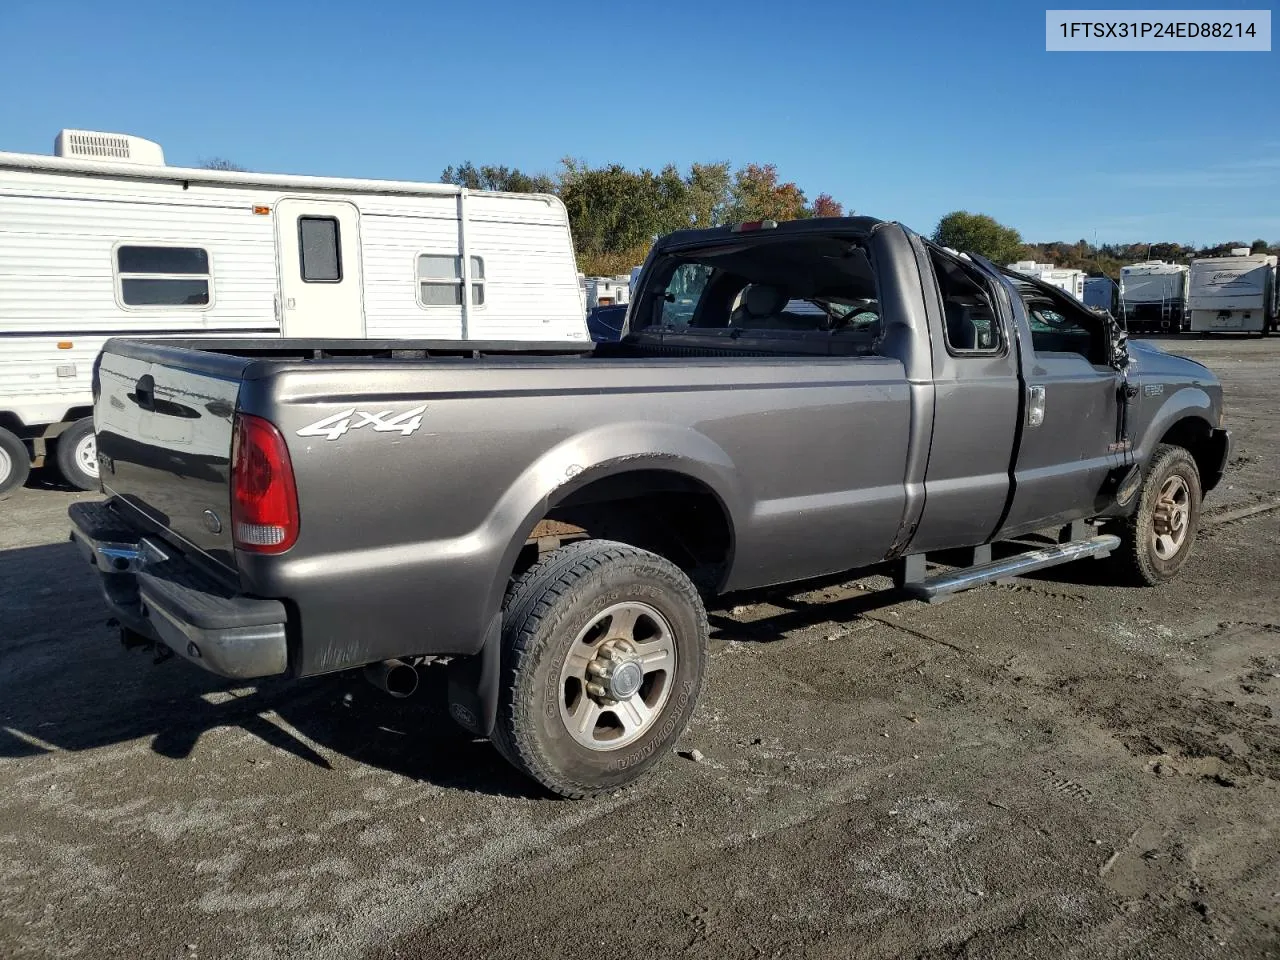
column 1159, row 537
column 77, row 455
column 15, row 462
column 604, row 651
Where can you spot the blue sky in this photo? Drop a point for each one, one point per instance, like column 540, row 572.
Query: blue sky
column 900, row 110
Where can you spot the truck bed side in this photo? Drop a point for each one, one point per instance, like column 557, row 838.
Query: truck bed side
column 804, row 457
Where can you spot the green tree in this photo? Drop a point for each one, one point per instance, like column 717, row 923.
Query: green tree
column 1259, row 246
column 979, row 233
column 757, row 195
column 615, row 213
column 501, row 178
column 710, row 194
column 222, row 163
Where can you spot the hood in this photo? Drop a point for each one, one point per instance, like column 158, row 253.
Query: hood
column 1147, row 359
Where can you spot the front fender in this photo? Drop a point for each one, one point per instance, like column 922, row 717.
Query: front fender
column 1185, row 402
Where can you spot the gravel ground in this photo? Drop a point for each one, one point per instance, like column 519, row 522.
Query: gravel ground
column 1053, row 768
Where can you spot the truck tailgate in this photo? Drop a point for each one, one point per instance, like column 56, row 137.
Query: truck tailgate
column 164, row 421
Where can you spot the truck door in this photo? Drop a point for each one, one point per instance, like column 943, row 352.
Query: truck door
column 1070, row 425
column 975, row 404
column 321, row 287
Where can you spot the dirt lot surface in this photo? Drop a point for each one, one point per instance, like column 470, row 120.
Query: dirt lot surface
column 1055, row 768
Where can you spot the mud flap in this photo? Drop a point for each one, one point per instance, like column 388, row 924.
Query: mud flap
column 473, row 684
column 1215, row 459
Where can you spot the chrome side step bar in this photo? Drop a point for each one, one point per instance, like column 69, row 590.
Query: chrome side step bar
column 933, row 589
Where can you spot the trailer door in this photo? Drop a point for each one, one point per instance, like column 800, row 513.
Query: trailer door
column 321, row 291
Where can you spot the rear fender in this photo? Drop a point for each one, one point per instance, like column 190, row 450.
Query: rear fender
column 568, row 467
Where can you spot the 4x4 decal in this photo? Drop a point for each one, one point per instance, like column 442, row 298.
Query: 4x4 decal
column 335, row 425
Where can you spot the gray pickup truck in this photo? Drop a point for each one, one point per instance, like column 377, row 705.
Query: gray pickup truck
column 787, row 402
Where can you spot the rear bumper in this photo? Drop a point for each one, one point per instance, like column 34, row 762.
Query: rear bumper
column 154, row 591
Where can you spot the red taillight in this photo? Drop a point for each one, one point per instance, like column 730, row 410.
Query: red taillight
column 264, row 501
column 751, row 225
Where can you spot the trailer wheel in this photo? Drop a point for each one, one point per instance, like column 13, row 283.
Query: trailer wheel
column 1158, row 538
column 77, row 455
column 604, row 650
column 15, row 462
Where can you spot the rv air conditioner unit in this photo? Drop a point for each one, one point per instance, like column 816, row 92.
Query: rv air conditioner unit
column 1241, row 251
column 109, row 147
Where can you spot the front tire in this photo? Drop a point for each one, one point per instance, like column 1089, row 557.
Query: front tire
column 15, row 462
column 1158, row 538
column 77, row 455
column 604, row 651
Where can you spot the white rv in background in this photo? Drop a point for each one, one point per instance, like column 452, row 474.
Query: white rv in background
column 1072, row 281
column 102, row 239
column 1153, row 295
column 1236, row 293
column 606, row 291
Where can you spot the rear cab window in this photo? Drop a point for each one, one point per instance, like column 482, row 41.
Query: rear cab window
column 812, row 293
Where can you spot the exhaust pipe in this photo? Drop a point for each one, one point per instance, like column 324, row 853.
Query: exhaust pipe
column 395, row 677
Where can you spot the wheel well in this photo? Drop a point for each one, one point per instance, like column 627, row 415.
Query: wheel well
column 668, row 513
column 1195, row 436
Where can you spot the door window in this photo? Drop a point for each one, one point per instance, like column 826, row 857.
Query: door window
column 971, row 325
column 1056, row 331
column 683, row 293
column 320, row 255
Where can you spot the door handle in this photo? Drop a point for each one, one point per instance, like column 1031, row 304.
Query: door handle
column 145, row 391
column 1035, row 405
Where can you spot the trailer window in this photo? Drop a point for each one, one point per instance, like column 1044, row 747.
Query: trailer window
column 320, row 257
column 162, row 276
column 440, row 280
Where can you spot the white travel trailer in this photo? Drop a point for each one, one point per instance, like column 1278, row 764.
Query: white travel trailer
column 606, row 291
column 102, row 239
column 1236, row 293
column 1153, row 295
column 1072, row 281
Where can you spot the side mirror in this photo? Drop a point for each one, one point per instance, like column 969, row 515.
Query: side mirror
column 1118, row 338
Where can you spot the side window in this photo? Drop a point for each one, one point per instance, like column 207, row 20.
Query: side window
column 320, row 257
column 970, row 321
column 163, row 276
column 683, row 293
column 1052, row 331
column 440, row 280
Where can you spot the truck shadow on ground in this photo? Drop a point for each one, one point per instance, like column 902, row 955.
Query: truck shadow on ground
column 66, row 683
column 799, row 613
